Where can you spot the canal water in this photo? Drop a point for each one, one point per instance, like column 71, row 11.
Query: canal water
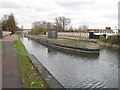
column 78, row 71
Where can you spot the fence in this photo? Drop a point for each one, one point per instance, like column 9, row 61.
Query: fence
column 74, row 34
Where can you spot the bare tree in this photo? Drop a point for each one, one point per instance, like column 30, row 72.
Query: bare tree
column 43, row 23
column 42, row 26
column 62, row 22
column 49, row 25
column 36, row 24
column 71, row 29
column 80, row 28
column 84, row 28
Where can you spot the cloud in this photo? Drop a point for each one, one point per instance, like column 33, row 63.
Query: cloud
column 7, row 4
column 73, row 4
column 94, row 13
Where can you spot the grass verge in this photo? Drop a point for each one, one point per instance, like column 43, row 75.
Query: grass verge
column 31, row 77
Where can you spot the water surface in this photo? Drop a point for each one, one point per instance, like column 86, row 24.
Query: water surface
column 78, row 71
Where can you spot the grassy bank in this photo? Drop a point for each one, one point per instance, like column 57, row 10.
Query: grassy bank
column 114, row 39
column 31, row 77
column 74, row 43
column 79, row 44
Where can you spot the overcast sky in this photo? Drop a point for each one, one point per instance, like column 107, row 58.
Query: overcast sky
column 93, row 13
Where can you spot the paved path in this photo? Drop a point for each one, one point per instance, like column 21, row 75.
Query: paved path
column 0, row 64
column 11, row 76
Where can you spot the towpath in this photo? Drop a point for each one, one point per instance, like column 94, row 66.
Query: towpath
column 11, row 75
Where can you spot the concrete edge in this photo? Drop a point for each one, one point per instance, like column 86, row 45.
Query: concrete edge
column 47, row 76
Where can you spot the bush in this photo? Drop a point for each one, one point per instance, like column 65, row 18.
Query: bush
column 102, row 38
column 114, row 39
column 38, row 30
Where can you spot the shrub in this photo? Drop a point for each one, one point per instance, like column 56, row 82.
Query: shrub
column 38, row 30
column 114, row 39
column 102, row 38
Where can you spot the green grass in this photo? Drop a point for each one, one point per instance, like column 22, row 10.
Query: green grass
column 79, row 44
column 31, row 77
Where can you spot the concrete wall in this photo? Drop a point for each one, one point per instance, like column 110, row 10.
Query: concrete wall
column 102, row 31
column 5, row 33
column 86, row 35
column 74, row 34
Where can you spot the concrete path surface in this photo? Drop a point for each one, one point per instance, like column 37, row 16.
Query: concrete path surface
column 11, row 75
column 0, row 64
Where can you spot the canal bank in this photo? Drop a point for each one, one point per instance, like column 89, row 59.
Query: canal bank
column 68, row 45
column 75, row 71
column 51, row 81
column 105, row 44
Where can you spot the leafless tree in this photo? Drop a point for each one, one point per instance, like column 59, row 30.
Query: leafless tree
column 36, row 24
column 42, row 26
column 83, row 28
column 61, row 23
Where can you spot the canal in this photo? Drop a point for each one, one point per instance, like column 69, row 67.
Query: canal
column 78, row 71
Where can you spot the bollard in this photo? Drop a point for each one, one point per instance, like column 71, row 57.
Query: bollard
column 0, row 33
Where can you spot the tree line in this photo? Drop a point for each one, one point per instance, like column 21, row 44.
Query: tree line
column 62, row 24
column 43, row 26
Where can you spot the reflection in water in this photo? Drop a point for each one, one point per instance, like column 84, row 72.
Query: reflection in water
column 81, row 55
column 79, row 71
